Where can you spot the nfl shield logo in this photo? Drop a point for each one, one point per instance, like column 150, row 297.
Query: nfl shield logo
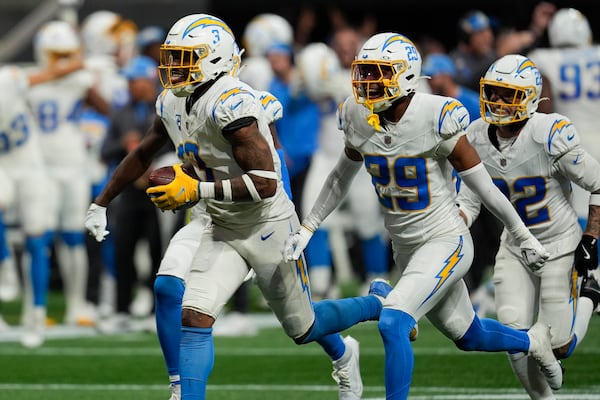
column 387, row 139
column 503, row 162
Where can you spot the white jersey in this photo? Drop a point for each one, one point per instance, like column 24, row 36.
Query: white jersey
column 56, row 106
column 409, row 169
column 198, row 138
column 573, row 75
column 19, row 146
column 535, row 173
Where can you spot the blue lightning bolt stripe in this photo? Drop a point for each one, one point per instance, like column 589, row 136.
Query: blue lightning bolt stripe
column 207, row 21
column 447, row 110
column 557, row 127
column 448, row 268
column 394, row 39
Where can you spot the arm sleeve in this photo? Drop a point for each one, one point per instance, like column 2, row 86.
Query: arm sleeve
column 333, row 191
column 480, row 182
column 581, row 168
column 469, row 203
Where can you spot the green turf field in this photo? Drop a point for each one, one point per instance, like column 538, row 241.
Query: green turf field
column 270, row 366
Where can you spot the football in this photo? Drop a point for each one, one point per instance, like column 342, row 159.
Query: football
column 161, row 176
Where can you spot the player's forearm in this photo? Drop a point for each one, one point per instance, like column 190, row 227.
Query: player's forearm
column 333, row 192
column 131, row 168
column 480, row 182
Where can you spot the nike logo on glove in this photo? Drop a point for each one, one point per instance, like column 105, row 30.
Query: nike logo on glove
column 265, row 237
column 586, row 254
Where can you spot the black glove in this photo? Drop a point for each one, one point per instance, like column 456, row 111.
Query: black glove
column 586, row 255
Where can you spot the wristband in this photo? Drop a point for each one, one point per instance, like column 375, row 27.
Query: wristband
column 206, row 190
column 227, row 193
column 595, row 199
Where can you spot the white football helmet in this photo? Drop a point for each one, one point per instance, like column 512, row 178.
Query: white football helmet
column 568, row 28
column 54, row 41
column 388, row 67
column 198, row 48
column 263, row 31
column 318, row 66
column 107, row 33
column 510, row 90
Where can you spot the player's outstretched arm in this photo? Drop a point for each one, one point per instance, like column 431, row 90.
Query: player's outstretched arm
column 334, row 190
column 472, row 172
column 133, row 166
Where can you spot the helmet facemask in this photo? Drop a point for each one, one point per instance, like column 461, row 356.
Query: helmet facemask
column 503, row 104
column 179, row 68
column 375, row 83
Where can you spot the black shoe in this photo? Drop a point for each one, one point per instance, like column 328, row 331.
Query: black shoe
column 591, row 289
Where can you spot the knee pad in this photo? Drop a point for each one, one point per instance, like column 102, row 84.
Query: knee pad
column 168, row 289
column 394, row 323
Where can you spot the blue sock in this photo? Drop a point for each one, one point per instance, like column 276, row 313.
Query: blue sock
column 197, row 358
column 168, row 292
column 394, row 328
column 40, row 268
column 333, row 316
column 317, row 251
column 375, row 256
column 333, row 345
column 4, row 251
column 490, row 335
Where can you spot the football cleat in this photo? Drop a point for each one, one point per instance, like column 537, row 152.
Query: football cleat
column 175, row 391
column 35, row 326
column 346, row 372
column 541, row 350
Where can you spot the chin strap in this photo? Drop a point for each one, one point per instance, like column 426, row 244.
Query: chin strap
column 373, row 119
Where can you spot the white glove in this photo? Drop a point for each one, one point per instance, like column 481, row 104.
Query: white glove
column 534, row 253
column 296, row 243
column 95, row 221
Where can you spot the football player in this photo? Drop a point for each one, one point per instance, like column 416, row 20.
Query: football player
column 409, row 141
column 56, row 105
column 21, row 159
column 251, row 213
column 175, row 121
column 570, row 66
column 533, row 158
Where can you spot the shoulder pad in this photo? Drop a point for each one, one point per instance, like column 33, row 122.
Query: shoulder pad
column 556, row 132
column 235, row 103
column 453, row 118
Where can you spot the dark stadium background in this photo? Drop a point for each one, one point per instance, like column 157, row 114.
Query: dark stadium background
column 413, row 18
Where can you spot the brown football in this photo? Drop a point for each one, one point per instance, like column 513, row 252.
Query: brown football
column 161, row 176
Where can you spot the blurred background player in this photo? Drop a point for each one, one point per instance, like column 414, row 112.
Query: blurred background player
column 109, row 43
column 56, row 106
column 570, row 68
column 259, row 35
column 328, row 83
column 23, row 163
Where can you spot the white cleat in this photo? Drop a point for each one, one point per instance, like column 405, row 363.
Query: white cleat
column 175, row 391
column 35, row 327
column 346, row 372
column 541, row 350
column 143, row 303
